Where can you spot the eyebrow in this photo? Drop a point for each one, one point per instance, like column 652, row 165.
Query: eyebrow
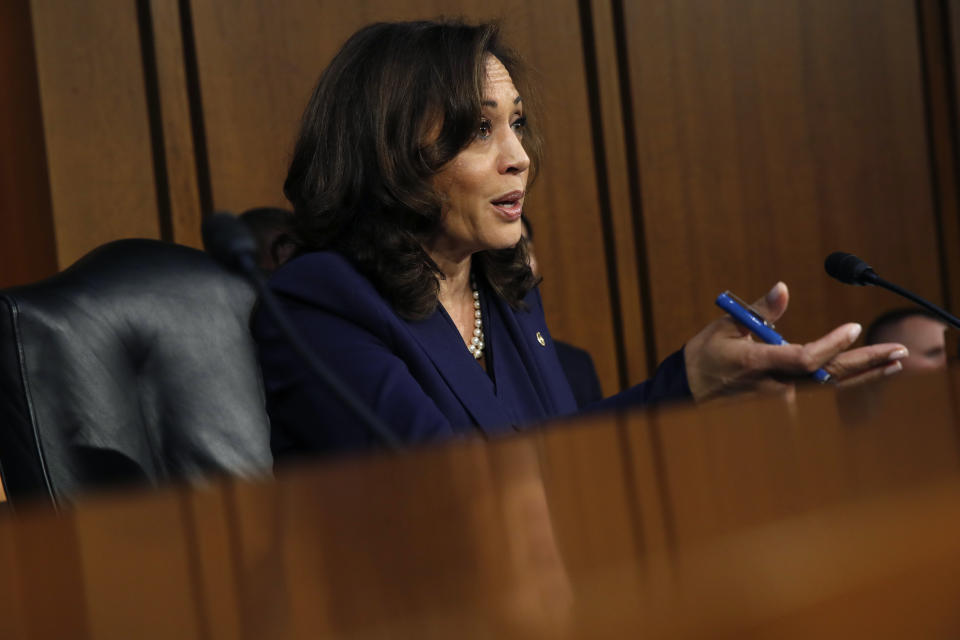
column 493, row 103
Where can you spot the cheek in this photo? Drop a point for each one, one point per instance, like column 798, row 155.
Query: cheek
column 465, row 195
column 440, row 183
column 447, row 185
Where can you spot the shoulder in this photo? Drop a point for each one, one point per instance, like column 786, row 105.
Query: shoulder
column 325, row 279
column 312, row 268
column 568, row 352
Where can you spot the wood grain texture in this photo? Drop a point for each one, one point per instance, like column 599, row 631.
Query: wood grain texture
column 43, row 538
column 941, row 118
column 575, row 487
column 943, row 85
column 258, row 63
column 623, row 193
column 137, row 575
column 27, row 249
column 96, row 128
column 769, row 135
column 12, row 623
column 213, row 558
column 727, row 469
column 834, row 515
column 178, row 152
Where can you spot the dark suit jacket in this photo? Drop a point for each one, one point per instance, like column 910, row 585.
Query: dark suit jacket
column 578, row 366
column 417, row 375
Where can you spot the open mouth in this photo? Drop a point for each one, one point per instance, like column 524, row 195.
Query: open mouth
column 510, row 204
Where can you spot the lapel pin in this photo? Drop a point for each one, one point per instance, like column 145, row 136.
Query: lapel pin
column 540, row 339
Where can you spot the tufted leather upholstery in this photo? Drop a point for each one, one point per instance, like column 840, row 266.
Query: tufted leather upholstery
column 135, row 365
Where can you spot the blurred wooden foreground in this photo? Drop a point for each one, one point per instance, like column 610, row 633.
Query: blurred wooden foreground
column 836, row 516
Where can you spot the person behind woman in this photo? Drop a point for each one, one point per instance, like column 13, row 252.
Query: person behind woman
column 408, row 179
column 270, row 227
column 577, row 364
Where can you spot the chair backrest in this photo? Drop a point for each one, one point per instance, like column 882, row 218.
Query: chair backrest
column 135, row 365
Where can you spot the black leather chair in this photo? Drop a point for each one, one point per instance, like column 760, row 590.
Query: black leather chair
column 135, row 365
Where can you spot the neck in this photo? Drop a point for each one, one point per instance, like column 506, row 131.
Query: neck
column 456, row 270
column 456, row 296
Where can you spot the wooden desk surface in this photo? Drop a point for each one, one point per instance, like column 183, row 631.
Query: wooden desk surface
column 834, row 516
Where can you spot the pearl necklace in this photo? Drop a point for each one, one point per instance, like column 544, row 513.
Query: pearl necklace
column 476, row 344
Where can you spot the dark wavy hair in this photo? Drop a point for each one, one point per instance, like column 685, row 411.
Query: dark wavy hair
column 360, row 178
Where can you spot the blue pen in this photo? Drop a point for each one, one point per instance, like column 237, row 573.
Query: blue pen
column 753, row 321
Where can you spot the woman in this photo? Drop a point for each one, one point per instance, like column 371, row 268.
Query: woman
column 408, row 181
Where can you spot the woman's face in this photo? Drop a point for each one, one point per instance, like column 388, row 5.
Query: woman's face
column 482, row 188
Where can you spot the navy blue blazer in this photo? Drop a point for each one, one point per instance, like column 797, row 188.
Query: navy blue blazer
column 416, row 375
column 578, row 366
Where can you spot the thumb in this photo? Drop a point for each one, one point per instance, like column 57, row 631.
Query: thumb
column 772, row 305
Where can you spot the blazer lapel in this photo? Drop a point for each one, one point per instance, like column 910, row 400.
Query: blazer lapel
column 528, row 331
column 442, row 344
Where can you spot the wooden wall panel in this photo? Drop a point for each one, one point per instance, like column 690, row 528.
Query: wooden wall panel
column 257, row 63
column 96, row 127
column 564, row 204
column 173, row 103
column 622, row 206
column 27, row 250
column 757, row 138
column 770, row 134
column 941, row 33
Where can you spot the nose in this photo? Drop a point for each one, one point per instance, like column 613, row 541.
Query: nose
column 513, row 157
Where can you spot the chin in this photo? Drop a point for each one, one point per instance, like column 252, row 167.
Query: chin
column 503, row 241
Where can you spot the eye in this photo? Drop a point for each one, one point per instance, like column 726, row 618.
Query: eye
column 519, row 125
column 484, row 130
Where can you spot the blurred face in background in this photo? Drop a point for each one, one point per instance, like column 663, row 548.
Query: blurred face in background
column 923, row 337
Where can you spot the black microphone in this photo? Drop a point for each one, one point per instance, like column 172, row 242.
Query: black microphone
column 850, row 269
column 228, row 240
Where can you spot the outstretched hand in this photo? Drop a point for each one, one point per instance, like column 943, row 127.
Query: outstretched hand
column 724, row 358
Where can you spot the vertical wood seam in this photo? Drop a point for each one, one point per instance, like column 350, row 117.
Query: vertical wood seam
column 929, row 126
column 934, row 45
column 235, row 541
column 151, row 83
column 202, row 164
column 588, row 43
column 954, row 129
column 37, row 257
column 192, row 542
column 635, row 192
column 662, row 481
column 630, row 485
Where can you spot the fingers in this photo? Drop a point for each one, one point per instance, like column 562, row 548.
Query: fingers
column 867, row 363
column 829, row 346
column 801, row 359
column 772, row 305
column 722, row 358
column 870, row 375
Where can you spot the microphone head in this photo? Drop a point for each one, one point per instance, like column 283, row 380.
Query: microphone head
column 849, row 269
column 229, row 241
